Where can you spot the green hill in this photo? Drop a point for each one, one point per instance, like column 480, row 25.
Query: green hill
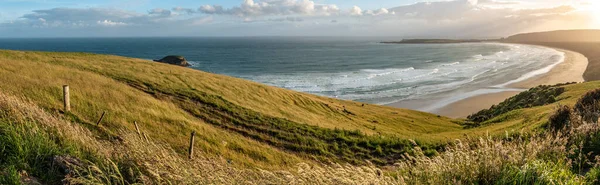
column 239, row 124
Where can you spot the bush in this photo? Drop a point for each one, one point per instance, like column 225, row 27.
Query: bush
column 561, row 119
column 588, row 106
column 538, row 96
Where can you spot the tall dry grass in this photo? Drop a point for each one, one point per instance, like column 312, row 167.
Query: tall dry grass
column 520, row 159
column 135, row 160
column 482, row 161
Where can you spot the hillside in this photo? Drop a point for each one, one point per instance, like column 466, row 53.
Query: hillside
column 260, row 124
column 557, row 36
column 239, row 124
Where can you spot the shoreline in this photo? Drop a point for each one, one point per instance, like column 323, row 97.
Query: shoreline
column 571, row 69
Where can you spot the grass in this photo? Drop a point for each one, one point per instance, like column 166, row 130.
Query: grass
column 516, row 159
column 248, row 132
column 161, row 97
column 132, row 159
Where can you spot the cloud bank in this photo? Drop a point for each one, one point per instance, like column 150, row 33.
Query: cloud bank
column 454, row 18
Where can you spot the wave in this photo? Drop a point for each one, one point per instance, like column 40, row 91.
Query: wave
column 421, row 80
column 384, row 72
column 450, row 64
column 535, row 72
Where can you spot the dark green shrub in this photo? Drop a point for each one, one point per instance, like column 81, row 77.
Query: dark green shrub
column 538, row 96
column 561, row 119
column 588, row 107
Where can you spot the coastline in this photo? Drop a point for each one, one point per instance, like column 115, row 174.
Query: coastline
column 571, row 69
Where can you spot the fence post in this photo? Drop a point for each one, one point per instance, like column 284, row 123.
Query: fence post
column 137, row 129
column 191, row 150
column 101, row 117
column 146, row 137
column 66, row 99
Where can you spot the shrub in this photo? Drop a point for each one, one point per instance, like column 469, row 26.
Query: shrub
column 588, row 106
column 538, row 96
column 561, row 119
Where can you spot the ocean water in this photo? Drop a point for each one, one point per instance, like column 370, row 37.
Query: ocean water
column 359, row 69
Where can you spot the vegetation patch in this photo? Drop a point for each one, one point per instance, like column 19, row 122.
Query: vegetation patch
column 588, row 106
column 538, row 96
column 562, row 118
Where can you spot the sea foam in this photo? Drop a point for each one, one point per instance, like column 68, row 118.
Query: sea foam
column 441, row 76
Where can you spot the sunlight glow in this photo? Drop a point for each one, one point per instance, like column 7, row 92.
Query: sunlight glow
column 594, row 9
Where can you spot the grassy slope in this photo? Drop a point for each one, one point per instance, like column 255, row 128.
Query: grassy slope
column 168, row 101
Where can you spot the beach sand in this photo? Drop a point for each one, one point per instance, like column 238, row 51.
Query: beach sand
column 571, row 70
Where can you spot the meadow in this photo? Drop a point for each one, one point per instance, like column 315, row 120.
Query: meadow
column 256, row 134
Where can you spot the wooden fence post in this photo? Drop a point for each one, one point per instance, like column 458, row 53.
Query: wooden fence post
column 146, row 137
column 191, row 151
column 137, row 129
column 66, row 99
column 101, row 117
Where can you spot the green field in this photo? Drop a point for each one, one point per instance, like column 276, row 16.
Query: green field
column 241, row 123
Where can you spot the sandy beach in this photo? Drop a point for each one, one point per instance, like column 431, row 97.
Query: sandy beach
column 571, row 70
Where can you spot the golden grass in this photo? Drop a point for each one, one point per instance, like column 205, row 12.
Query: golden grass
column 96, row 85
column 159, row 164
column 92, row 93
column 71, row 68
column 520, row 159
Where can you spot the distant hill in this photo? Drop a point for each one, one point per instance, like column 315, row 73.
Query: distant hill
column 557, row 36
column 586, row 42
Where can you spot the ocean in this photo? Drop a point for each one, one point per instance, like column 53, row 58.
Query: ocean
column 360, row 69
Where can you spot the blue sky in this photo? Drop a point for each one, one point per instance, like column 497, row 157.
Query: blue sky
column 12, row 9
column 408, row 18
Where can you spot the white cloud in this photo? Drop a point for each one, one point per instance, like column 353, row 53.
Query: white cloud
column 300, row 17
column 110, row 23
column 210, row 9
column 250, row 8
column 381, row 11
column 355, row 10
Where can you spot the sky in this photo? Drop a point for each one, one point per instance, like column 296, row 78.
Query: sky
column 397, row 18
